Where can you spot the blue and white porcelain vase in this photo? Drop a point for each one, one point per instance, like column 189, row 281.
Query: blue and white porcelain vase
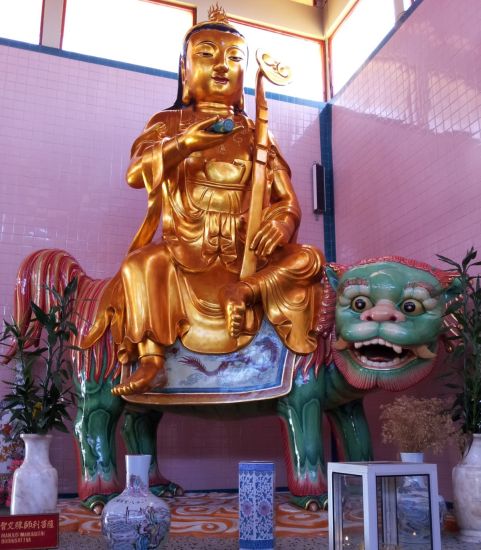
column 136, row 519
column 256, row 505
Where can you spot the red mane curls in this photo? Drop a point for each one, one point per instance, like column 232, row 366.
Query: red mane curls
column 445, row 277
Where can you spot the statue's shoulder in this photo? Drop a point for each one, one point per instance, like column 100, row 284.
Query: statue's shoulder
column 160, row 125
column 169, row 118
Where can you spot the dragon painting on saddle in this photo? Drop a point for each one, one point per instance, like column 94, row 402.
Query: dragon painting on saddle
column 227, row 310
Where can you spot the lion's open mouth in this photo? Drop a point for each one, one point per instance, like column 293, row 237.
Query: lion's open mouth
column 380, row 354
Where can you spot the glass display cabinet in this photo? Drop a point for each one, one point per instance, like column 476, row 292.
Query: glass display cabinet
column 383, row 506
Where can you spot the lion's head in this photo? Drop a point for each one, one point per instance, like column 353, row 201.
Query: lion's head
column 389, row 318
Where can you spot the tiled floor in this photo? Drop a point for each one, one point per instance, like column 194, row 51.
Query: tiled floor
column 74, row 541
column 208, row 521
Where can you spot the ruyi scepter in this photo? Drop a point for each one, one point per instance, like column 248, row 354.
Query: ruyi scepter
column 280, row 75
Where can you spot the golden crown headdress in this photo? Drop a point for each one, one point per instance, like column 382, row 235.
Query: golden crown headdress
column 217, row 14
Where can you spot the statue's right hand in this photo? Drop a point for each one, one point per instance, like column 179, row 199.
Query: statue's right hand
column 197, row 138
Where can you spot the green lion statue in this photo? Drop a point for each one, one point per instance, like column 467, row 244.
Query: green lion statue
column 379, row 328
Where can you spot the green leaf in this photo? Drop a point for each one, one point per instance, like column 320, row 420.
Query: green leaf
column 71, row 287
column 56, row 294
column 52, row 339
column 74, row 348
column 449, row 262
column 72, row 328
column 42, row 317
column 453, row 307
column 470, row 256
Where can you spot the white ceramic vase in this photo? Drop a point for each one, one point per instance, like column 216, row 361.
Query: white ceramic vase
column 418, row 458
column 467, row 492
column 35, row 482
column 136, row 519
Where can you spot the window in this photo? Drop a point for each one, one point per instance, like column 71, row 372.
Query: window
column 303, row 55
column 21, row 20
column 135, row 31
column 357, row 36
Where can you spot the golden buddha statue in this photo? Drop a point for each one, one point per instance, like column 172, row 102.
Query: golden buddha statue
column 198, row 182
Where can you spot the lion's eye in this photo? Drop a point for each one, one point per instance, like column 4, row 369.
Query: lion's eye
column 412, row 307
column 361, row 303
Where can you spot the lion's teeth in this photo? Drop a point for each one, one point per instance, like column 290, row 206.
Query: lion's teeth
column 378, row 341
column 385, row 343
column 383, row 365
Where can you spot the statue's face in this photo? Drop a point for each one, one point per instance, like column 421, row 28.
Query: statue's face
column 388, row 322
column 214, row 67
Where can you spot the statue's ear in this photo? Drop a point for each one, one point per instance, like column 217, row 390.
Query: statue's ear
column 182, row 68
column 332, row 274
column 453, row 290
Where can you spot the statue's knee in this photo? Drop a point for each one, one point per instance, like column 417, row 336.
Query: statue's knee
column 156, row 256
column 131, row 264
column 312, row 258
column 306, row 260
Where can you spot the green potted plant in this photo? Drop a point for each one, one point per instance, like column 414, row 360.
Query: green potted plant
column 39, row 396
column 415, row 425
column 465, row 340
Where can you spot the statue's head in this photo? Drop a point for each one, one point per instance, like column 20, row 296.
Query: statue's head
column 389, row 319
column 212, row 64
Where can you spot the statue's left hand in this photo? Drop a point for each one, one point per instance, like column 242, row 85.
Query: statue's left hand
column 272, row 234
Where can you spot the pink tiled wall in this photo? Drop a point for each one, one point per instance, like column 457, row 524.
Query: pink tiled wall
column 407, row 141
column 407, row 150
column 65, row 135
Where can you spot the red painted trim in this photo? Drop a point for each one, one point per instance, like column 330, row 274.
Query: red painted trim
column 324, row 69
column 186, row 7
column 328, row 60
column 40, row 37
column 64, row 11
column 329, row 66
column 348, row 14
column 272, row 29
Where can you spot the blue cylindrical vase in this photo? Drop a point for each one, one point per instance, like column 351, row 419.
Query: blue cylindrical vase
column 256, row 505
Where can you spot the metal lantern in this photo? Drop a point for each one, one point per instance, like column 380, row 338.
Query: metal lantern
column 383, row 506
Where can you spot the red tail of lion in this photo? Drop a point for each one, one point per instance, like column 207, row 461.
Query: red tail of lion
column 55, row 268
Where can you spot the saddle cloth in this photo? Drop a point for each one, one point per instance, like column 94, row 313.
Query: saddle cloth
column 262, row 370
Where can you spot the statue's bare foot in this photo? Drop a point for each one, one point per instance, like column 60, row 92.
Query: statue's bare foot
column 150, row 374
column 233, row 298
